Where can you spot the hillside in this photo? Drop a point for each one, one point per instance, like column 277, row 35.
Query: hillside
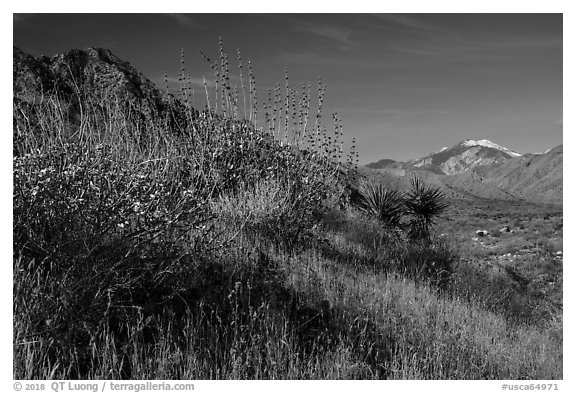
column 94, row 77
column 208, row 249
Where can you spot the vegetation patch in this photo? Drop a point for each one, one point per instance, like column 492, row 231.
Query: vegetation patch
column 235, row 243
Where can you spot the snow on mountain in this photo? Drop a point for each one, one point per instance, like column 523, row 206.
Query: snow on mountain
column 465, row 155
column 532, row 177
column 543, row 152
column 485, row 169
column 487, row 143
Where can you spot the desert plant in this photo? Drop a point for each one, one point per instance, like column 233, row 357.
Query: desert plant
column 375, row 199
column 423, row 203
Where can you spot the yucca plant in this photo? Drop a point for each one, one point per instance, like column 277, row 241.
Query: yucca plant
column 423, row 203
column 375, row 199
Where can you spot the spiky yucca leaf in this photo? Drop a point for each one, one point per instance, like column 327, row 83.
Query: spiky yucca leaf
column 383, row 203
column 424, row 203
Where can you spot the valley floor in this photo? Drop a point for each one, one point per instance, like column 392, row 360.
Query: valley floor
column 519, row 242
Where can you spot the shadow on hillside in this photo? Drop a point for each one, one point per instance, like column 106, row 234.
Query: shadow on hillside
column 212, row 308
column 505, row 293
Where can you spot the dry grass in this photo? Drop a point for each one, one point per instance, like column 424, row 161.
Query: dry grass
column 220, row 253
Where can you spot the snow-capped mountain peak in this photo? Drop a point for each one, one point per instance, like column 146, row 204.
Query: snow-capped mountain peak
column 543, row 152
column 487, row 143
column 465, row 155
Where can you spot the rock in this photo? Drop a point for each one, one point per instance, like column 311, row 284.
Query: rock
column 79, row 79
column 482, row 232
column 505, row 229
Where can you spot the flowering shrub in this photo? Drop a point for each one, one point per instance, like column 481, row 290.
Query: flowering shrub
column 70, row 201
column 241, row 160
column 106, row 239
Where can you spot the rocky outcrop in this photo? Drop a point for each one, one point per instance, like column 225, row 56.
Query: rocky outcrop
column 93, row 77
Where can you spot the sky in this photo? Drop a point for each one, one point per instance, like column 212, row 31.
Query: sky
column 405, row 85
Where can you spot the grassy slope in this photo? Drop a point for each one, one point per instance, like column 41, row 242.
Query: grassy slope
column 330, row 310
column 221, row 254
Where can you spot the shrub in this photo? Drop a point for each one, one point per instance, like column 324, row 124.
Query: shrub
column 102, row 240
column 385, row 204
column 423, row 203
column 284, row 210
column 416, row 255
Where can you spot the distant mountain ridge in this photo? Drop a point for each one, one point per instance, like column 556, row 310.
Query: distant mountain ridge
column 465, row 155
column 452, row 160
column 533, row 177
column 485, row 169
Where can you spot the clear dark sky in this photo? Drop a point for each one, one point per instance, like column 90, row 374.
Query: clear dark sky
column 405, row 85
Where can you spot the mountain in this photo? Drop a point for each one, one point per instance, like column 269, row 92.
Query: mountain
column 450, row 160
column 465, row 155
column 388, row 166
column 398, row 168
column 94, row 76
column 532, row 177
column 382, row 164
column 480, row 168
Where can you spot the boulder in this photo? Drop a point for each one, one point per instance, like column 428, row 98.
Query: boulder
column 482, row 232
column 94, row 77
